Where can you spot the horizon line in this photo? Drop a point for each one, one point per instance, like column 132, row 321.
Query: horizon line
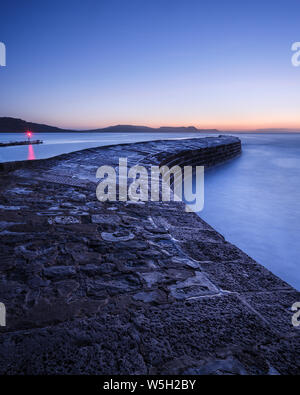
column 224, row 129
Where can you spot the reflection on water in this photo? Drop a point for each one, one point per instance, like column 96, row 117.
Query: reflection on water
column 31, row 155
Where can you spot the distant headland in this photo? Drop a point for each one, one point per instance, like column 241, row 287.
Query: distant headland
column 15, row 125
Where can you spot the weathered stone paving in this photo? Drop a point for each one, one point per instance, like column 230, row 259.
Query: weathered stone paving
column 131, row 288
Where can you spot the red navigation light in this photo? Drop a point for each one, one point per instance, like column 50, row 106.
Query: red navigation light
column 29, row 134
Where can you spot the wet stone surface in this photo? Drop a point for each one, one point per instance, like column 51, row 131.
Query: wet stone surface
column 121, row 287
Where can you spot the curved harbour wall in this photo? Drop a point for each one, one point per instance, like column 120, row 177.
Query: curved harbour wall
column 215, row 152
column 131, row 288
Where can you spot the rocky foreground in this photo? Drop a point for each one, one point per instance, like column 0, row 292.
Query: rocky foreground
column 131, row 288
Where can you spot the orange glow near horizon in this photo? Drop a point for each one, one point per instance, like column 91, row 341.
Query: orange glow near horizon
column 212, row 64
column 233, row 125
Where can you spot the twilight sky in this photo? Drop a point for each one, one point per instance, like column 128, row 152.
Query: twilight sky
column 94, row 63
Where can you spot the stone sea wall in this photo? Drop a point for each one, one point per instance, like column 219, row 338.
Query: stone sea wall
column 131, row 288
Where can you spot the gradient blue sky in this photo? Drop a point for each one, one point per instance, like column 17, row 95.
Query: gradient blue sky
column 87, row 64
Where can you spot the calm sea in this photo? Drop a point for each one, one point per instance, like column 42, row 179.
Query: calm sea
column 254, row 200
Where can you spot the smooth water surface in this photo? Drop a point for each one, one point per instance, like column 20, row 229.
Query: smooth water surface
column 254, row 201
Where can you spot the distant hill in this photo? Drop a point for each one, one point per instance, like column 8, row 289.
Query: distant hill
column 15, row 125
column 162, row 129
